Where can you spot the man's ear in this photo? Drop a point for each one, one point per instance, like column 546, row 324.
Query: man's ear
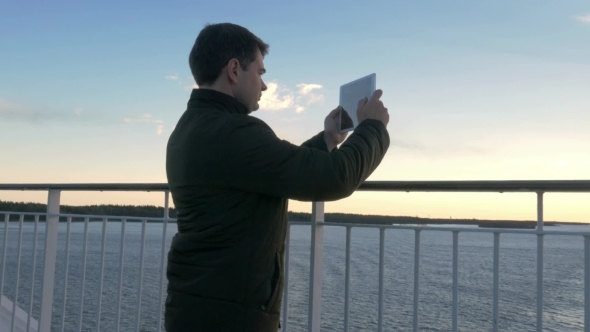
column 233, row 70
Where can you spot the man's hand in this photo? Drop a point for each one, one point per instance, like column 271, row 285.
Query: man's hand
column 373, row 108
column 332, row 133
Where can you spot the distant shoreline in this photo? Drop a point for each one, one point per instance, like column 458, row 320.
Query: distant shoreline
column 134, row 213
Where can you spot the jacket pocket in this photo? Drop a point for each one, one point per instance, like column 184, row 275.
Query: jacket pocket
column 276, row 282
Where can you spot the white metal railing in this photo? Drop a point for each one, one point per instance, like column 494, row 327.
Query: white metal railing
column 316, row 258
column 49, row 264
column 47, row 292
column 455, row 232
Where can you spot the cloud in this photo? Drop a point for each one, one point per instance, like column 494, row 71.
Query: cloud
column 441, row 150
column 291, row 119
column 307, row 94
column 144, row 118
column 11, row 111
column 147, row 118
column 315, row 99
column 409, row 145
column 187, row 84
column 584, row 19
column 191, row 87
column 278, row 98
column 305, row 89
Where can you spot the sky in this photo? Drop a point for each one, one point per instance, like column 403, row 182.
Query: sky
column 476, row 90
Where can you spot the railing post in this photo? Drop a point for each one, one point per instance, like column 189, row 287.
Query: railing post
column 381, row 279
column 455, row 281
column 285, row 317
column 416, row 278
column 4, row 249
column 347, row 279
column 163, row 258
column 51, row 224
column 586, row 283
column 539, row 262
column 540, row 211
column 316, row 263
column 496, row 284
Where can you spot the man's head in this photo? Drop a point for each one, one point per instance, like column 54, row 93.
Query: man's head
column 229, row 58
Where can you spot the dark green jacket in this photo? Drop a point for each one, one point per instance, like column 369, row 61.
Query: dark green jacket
column 230, row 179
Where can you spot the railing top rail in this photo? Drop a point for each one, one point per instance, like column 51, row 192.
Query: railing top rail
column 394, row 186
column 480, row 186
column 86, row 186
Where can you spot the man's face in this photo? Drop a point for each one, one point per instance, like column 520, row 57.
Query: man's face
column 250, row 84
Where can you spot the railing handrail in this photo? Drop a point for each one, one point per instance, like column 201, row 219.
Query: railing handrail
column 399, row 186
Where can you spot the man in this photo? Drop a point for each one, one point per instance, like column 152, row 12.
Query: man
column 231, row 178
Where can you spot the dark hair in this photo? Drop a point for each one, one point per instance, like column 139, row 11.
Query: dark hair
column 217, row 44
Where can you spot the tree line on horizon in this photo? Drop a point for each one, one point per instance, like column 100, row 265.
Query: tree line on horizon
column 151, row 211
column 138, row 212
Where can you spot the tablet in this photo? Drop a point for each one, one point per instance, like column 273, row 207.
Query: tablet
column 350, row 95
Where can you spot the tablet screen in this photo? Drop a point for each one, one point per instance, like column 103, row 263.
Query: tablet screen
column 350, row 94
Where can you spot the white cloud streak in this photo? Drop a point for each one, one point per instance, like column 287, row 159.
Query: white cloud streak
column 144, row 118
column 305, row 89
column 13, row 112
column 584, row 19
column 10, row 111
column 147, row 118
column 187, row 85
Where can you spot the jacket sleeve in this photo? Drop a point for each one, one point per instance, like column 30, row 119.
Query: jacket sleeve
column 253, row 159
column 317, row 142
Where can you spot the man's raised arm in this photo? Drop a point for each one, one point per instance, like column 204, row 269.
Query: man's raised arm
column 267, row 165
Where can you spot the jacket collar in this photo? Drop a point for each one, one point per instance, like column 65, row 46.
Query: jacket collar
column 222, row 101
